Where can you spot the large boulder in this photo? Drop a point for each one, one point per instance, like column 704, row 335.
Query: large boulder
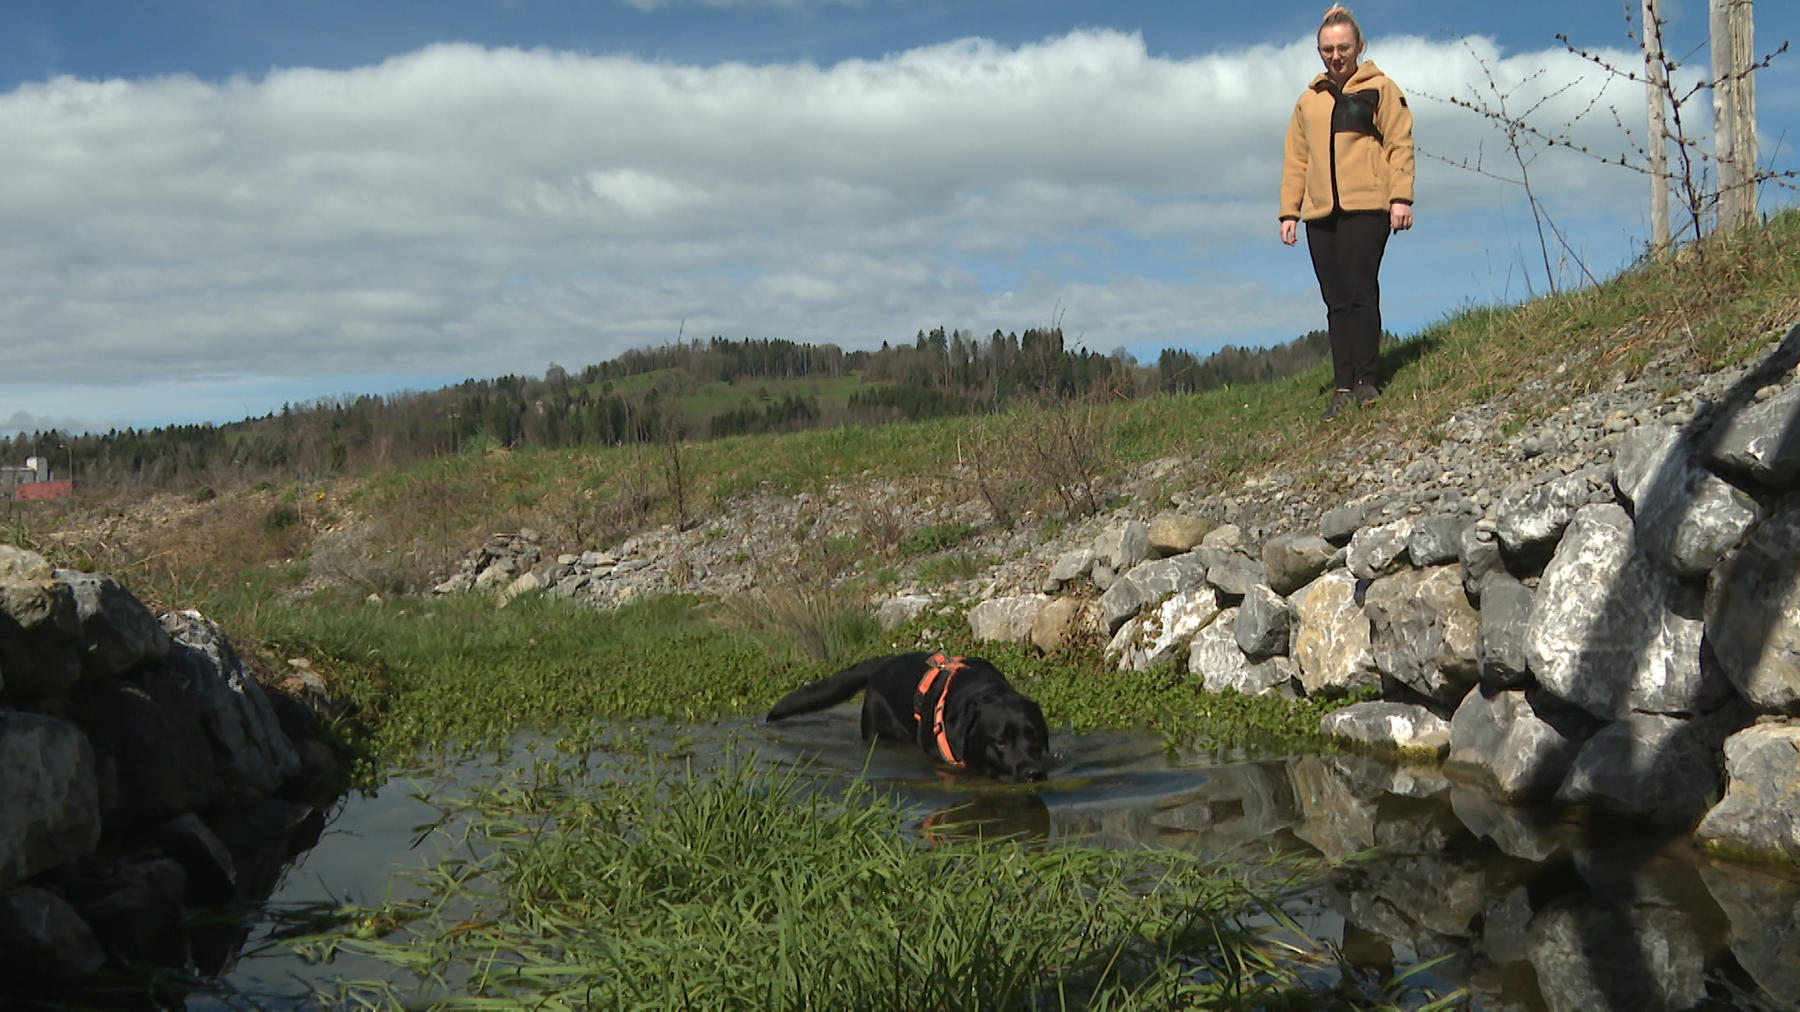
column 40, row 628
column 1531, row 518
column 43, row 940
column 1761, row 442
column 1233, row 573
column 1478, row 551
column 1646, row 768
column 1005, row 619
column 1064, row 621
column 1437, row 540
column 1164, row 629
column 1687, row 518
column 1753, row 613
column 1422, row 631
column 253, row 754
column 1174, row 533
column 1330, row 643
column 1263, row 623
column 1292, row 561
column 1340, row 524
column 1605, row 632
column 1759, row 818
column 1120, row 548
column 1500, row 641
column 1504, row 743
column 137, row 909
column 1146, row 585
column 1381, row 726
column 151, row 750
column 896, row 611
column 1214, row 656
column 117, row 631
column 1377, row 551
column 1069, row 567
column 49, row 798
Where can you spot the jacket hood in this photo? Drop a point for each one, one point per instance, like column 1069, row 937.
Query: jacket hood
column 1365, row 72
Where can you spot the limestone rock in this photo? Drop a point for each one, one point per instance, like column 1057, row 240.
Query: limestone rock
column 1069, row 567
column 895, row 612
column 1503, row 742
column 1064, row 621
column 43, row 939
column 19, row 565
column 1224, row 538
column 1384, row 726
column 1147, row 584
column 117, row 631
column 1292, row 561
column 1500, row 640
column 1422, row 631
column 1007, row 619
column 211, row 872
column 1214, row 656
column 1762, row 441
column 1437, row 540
column 1263, row 623
column 1479, row 553
column 1759, row 819
column 1604, row 633
column 150, row 748
column 1233, row 573
column 1338, row 525
column 136, row 909
column 527, row 583
column 1120, row 548
column 40, row 634
column 248, row 743
column 1330, row 643
column 49, row 800
column 1334, row 816
column 1753, row 613
column 1175, row 533
column 1764, row 911
column 1175, row 622
column 1377, row 551
column 1645, row 768
column 1530, row 518
column 1686, row 517
column 1518, row 830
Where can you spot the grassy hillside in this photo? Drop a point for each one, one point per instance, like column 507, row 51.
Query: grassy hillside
column 237, row 553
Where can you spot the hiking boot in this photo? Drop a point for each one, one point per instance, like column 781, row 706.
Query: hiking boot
column 1339, row 401
column 1366, row 394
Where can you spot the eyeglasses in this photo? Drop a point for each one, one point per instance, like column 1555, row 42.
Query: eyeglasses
column 1344, row 50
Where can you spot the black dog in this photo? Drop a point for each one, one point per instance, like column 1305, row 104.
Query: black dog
column 959, row 711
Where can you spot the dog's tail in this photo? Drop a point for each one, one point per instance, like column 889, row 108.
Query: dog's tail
column 829, row 691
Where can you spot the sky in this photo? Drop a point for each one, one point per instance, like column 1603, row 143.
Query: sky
column 210, row 208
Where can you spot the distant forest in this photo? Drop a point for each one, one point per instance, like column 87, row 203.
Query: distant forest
column 647, row 395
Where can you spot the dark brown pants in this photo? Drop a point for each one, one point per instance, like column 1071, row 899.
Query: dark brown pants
column 1346, row 254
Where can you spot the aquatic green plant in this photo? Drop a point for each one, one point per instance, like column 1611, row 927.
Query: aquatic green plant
column 749, row 888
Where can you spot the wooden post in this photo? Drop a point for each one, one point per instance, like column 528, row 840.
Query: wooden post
column 1656, row 80
column 1724, row 111
column 1743, row 96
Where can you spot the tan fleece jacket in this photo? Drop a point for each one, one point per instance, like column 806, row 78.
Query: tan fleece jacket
column 1347, row 169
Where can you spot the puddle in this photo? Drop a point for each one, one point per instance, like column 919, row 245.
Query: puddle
column 1524, row 912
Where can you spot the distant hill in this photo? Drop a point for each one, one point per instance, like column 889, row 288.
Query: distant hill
column 695, row 390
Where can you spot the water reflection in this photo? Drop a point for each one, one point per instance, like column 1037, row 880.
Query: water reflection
column 1525, row 911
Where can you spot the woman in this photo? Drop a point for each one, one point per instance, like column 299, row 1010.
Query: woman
column 1348, row 174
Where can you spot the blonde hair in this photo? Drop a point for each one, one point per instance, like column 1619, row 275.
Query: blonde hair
column 1340, row 15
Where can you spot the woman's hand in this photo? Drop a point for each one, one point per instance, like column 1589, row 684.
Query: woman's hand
column 1290, row 231
column 1399, row 216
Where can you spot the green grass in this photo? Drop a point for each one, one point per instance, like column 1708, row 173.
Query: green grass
column 745, row 889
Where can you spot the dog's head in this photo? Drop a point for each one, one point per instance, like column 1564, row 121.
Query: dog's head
column 1005, row 737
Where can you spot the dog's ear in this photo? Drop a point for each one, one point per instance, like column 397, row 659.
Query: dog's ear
column 963, row 729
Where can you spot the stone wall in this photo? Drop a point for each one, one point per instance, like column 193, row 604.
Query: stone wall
column 143, row 771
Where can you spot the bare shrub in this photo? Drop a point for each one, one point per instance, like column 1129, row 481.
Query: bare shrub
column 827, row 628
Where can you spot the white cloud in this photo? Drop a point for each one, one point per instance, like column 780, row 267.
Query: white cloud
column 469, row 211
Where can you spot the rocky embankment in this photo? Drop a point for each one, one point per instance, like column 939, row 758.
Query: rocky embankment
column 144, row 774
column 1596, row 608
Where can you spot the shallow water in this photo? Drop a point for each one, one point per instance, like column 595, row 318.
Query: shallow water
column 1526, row 912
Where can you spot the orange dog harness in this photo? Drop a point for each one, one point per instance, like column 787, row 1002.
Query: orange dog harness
column 948, row 667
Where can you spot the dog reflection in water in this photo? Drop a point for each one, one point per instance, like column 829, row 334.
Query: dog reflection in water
column 959, row 711
column 1009, row 815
